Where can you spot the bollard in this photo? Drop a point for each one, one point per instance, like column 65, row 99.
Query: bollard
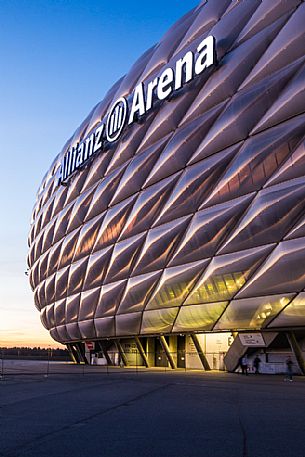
column 2, row 367
column 48, row 364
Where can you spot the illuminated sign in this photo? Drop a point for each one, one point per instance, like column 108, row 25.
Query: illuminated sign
column 144, row 96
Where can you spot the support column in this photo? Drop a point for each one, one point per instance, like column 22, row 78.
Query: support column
column 167, row 352
column 296, row 350
column 151, row 351
column 141, row 351
column 200, row 352
column 121, row 352
column 73, row 353
column 102, row 347
column 80, row 349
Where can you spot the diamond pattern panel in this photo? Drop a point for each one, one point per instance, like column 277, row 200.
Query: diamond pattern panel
column 195, row 219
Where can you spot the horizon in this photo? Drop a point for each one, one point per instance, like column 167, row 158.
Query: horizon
column 48, row 63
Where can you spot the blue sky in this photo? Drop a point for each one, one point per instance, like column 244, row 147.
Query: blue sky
column 58, row 59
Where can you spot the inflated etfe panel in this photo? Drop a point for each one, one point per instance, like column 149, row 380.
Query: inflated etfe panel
column 179, row 203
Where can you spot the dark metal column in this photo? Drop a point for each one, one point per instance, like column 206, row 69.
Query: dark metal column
column 80, row 348
column 73, row 353
column 167, row 352
column 200, row 352
column 121, row 352
column 296, row 350
column 141, row 351
column 101, row 345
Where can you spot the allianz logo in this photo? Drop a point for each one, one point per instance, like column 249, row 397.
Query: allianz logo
column 127, row 110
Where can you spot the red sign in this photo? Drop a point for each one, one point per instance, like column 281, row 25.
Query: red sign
column 90, row 345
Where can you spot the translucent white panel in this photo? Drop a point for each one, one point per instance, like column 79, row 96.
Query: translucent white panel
column 226, row 275
column 43, row 318
column 147, row 207
column 137, row 171
column 61, row 282
column 207, row 16
column 241, row 114
column 113, row 223
column 265, row 14
column 285, row 48
column 53, row 255
column 96, row 268
column 194, row 185
column 48, row 236
column 76, row 275
column 137, row 292
column 50, row 319
column 59, row 200
column 123, row 257
column 298, row 230
column 256, row 161
column 207, row 230
column 68, row 247
column 289, row 104
column 109, row 298
column 50, row 288
column 181, row 146
column 293, row 315
column 87, row 236
column 167, row 119
column 230, row 73
column 293, row 167
column 88, row 303
column 158, row 321
column 103, row 194
column 282, row 272
column 72, row 308
column 104, row 327
column 87, row 329
column 175, row 284
column 198, row 317
column 43, row 266
column 96, row 173
column 158, row 246
column 269, row 217
column 60, row 312
column 76, row 185
column 128, row 324
column 252, row 313
column 54, row 335
column 80, row 209
column 73, row 331
column 62, row 220
column 129, row 143
column 200, row 201
column 62, row 333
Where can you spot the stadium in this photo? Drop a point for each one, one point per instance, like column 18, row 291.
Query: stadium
column 171, row 226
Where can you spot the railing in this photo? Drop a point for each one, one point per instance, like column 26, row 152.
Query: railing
column 96, row 363
column 158, row 362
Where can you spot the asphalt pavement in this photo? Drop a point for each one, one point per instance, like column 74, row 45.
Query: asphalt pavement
column 150, row 414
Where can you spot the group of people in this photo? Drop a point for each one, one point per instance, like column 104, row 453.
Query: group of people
column 244, row 365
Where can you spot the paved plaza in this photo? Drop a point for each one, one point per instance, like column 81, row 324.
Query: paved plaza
column 123, row 413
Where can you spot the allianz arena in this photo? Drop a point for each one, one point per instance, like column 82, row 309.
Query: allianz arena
column 177, row 209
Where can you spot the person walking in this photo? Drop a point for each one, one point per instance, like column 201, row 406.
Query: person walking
column 244, row 364
column 256, row 364
column 289, row 364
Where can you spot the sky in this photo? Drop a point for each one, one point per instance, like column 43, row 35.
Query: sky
column 58, row 59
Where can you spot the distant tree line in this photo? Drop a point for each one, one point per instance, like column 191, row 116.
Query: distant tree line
column 34, row 353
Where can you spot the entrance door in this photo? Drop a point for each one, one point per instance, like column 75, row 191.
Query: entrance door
column 181, row 351
column 160, row 356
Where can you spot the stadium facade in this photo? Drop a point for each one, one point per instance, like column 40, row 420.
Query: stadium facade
column 177, row 208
